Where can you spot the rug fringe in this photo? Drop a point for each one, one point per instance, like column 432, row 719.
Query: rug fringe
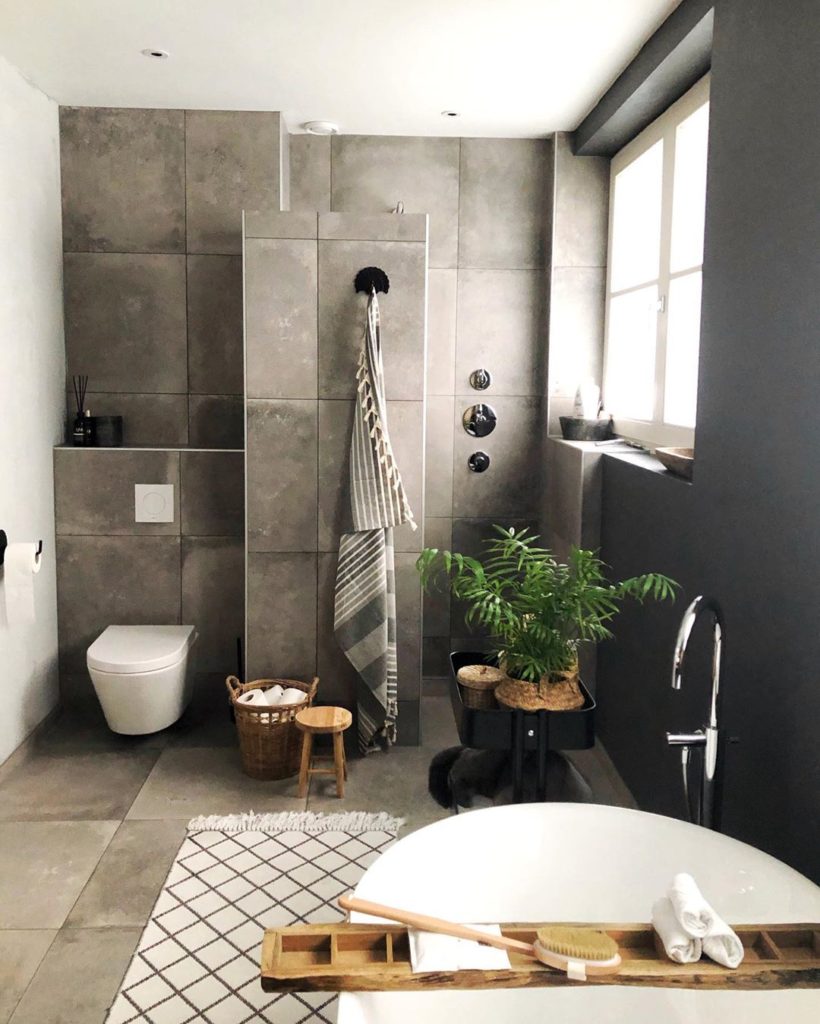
column 297, row 821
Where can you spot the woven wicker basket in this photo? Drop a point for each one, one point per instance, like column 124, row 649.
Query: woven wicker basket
column 269, row 742
column 478, row 683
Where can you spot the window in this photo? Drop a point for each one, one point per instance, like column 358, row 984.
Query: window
column 655, row 265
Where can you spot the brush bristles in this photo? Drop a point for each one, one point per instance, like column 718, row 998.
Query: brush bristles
column 578, row 943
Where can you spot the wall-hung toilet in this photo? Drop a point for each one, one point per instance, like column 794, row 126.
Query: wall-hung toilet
column 143, row 675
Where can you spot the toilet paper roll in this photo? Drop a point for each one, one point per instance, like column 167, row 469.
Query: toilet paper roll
column 21, row 564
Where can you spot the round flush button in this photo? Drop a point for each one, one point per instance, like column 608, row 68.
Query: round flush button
column 479, row 462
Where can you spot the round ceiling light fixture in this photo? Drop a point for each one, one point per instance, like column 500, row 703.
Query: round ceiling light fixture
column 321, row 127
column 156, row 53
column 449, row 113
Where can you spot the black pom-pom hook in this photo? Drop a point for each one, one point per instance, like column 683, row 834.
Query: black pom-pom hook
column 372, row 279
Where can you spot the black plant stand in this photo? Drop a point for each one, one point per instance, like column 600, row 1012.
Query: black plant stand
column 520, row 731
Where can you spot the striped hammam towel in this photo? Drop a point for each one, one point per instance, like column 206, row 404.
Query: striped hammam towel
column 365, row 611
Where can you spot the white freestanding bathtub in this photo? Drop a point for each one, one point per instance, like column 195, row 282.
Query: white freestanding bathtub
column 579, row 862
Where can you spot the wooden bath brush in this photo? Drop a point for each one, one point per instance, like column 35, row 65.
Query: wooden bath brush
column 577, row 951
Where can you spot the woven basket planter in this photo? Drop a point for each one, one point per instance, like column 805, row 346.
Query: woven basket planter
column 478, row 683
column 270, row 744
column 561, row 692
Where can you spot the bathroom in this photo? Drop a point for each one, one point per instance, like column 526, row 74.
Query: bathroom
column 170, row 230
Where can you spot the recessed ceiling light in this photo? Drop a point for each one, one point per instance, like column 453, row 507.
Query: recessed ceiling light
column 321, row 127
column 157, row 54
column 449, row 113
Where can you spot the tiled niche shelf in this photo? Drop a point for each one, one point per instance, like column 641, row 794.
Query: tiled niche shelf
column 142, row 448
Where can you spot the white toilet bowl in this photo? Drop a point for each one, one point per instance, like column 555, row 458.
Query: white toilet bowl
column 143, row 675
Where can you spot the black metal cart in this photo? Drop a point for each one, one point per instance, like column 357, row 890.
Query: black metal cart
column 520, row 731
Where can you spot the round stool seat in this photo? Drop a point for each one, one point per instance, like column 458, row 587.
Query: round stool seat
column 324, row 720
column 314, row 722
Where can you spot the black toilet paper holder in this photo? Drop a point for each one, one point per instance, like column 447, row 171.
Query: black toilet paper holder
column 4, row 543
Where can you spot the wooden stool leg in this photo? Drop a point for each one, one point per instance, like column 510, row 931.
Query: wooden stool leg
column 339, row 762
column 304, row 770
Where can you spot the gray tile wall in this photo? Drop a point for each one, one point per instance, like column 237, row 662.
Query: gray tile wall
column 304, row 328
column 489, row 202
column 112, row 570
column 152, row 203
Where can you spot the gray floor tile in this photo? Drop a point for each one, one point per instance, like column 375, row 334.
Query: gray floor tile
column 82, row 729
column 44, row 866
column 187, row 782
column 128, row 878
column 20, row 956
column 68, row 786
column 78, row 979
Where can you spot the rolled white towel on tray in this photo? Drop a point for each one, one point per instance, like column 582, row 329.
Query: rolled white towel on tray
column 690, row 906
column 679, row 945
column 722, row 945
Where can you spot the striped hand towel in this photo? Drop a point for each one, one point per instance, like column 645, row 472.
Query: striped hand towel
column 365, row 612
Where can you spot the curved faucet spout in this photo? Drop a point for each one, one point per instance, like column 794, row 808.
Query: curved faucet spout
column 710, row 735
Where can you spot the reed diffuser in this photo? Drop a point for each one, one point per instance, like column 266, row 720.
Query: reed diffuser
column 79, row 433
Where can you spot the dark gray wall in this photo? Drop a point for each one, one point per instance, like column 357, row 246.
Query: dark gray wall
column 748, row 530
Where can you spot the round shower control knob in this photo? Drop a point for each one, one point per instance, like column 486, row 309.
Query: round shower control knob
column 479, row 420
column 479, row 462
column 480, row 379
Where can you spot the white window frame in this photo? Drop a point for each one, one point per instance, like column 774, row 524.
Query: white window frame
column 654, row 432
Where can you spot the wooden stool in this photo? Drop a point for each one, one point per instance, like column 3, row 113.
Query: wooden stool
column 314, row 722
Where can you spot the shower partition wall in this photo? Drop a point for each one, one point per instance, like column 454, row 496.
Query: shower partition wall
column 304, row 324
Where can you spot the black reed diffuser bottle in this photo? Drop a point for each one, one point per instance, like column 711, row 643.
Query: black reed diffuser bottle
column 80, row 435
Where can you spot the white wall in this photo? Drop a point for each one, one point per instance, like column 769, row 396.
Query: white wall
column 32, row 369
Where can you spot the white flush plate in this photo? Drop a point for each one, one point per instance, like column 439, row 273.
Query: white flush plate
column 154, row 503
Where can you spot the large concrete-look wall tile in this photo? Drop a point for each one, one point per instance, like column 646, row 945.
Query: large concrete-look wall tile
column 212, row 486
column 113, row 580
column 281, row 321
column 373, row 227
column 372, row 173
column 282, row 475
column 505, row 203
column 146, row 419
column 216, row 421
column 232, row 164
column 438, row 533
column 438, row 459
column 405, row 422
column 581, row 215
column 123, row 179
column 564, row 497
column 502, row 327
column 337, row 675
column 94, row 490
column 510, row 486
column 125, row 321
column 435, row 655
column 310, row 172
column 215, row 361
column 441, row 331
column 335, row 426
column 281, row 224
column 408, row 625
column 342, row 316
column 213, row 598
column 576, row 332
column 281, row 615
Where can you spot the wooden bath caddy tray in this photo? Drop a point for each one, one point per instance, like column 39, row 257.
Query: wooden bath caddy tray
column 376, row 958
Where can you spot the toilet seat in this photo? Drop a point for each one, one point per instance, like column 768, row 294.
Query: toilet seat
column 127, row 650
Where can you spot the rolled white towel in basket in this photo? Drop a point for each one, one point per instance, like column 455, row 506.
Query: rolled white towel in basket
column 679, row 945
column 690, row 906
column 292, row 696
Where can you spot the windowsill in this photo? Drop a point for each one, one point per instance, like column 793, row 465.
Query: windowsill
column 632, row 456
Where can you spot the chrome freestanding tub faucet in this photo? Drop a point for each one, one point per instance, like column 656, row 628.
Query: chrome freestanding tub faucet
column 707, row 738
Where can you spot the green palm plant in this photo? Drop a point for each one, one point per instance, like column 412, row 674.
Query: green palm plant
column 538, row 611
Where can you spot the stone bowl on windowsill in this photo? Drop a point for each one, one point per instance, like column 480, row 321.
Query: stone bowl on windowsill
column 575, row 428
column 679, row 461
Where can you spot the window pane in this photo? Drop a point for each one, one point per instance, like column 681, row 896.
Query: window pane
column 630, row 380
column 682, row 344
column 636, row 222
column 689, row 190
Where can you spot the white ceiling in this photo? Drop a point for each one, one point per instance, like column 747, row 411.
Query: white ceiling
column 382, row 67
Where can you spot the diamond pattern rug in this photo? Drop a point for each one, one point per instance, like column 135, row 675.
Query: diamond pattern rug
column 198, row 958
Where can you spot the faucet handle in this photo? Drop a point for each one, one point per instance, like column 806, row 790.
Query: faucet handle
column 686, row 739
